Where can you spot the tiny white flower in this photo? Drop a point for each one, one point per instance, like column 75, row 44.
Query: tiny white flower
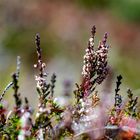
column 91, row 39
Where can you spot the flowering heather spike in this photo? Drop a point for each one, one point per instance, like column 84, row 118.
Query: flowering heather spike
column 102, row 68
column 42, row 121
column 40, row 65
column 89, row 57
column 95, row 67
column 42, row 86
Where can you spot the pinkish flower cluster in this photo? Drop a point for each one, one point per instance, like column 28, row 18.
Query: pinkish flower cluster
column 95, row 67
column 89, row 57
column 102, row 69
column 95, row 61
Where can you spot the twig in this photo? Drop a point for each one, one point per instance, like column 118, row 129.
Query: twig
column 11, row 83
column 124, row 128
column 5, row 90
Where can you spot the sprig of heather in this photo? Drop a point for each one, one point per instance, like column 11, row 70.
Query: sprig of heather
column 11, row 126
column 40, row 65
column 95, row 68
column 47, row 109
column 42, row 120
column 11, row 83
column 89, row 57
column 118, row 98
column 89, row 67
column 132, row 104
column 102, row 68
column 116, row 112
column 15, row 77
column 16, row 94
column 42, row 86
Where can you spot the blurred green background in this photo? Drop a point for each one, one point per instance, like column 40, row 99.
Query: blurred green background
column 64, row 26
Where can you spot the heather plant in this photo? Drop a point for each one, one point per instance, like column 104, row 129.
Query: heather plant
column 86, row 118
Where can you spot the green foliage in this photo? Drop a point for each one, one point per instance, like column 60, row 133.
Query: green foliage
column 131, row 109
column 129, row 67
column 20, row 42
column 93, row 3
column 128, row 9
column 13, row 126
